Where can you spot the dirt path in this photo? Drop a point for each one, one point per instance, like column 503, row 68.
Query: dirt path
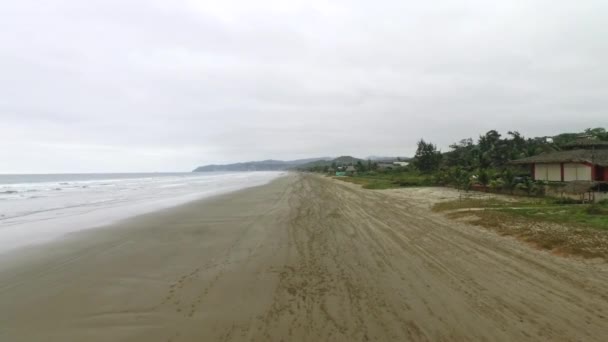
column 303, row 259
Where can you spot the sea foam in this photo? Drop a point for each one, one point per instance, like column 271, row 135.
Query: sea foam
column 38, row 208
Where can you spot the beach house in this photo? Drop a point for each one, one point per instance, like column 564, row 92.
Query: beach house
column 582, row 160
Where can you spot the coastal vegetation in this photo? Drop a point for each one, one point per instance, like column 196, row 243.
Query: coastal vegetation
column 484, row 165
column 544, row 209
column 389, row 179
column 552, row 224
column 468, row 164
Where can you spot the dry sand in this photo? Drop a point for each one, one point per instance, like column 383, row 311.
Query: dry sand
column 304, row 258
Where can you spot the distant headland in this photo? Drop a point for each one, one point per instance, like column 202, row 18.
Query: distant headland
column 280, row 165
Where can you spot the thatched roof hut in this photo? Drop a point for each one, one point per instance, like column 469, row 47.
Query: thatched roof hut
column 596, row 157
column 587, row 143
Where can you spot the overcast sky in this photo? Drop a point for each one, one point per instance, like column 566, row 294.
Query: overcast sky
column 141, row 85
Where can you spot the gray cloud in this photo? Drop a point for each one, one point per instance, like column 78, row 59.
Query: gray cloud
column 167, row 85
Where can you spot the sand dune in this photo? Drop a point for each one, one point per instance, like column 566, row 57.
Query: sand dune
column 304, row 258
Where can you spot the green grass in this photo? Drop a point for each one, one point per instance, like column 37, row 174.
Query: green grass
column 387, row 180
column 579, row 215
column 492, row 203
column 581, row 229
column 544, row 209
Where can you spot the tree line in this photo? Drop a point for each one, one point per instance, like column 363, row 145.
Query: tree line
column 485, row 161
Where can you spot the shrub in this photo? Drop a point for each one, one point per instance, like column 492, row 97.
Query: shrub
column 496, row 184
column 566, row 200
column 596, row 209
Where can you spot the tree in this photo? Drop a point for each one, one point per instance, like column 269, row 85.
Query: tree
column 463, row 154
column 493, row 150
column 483, row 177
column 463, row 180
column 508, row 180
column 427, row 158
column 360, row 167
column 599, row 133
column 528, row 185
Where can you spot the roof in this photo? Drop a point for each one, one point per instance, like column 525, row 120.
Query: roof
column 350, row 168
column 598, row 157
column 587, row 142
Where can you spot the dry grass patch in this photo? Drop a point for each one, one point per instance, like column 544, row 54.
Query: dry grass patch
column 559, row 238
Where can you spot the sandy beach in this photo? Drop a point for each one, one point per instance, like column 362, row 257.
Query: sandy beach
column 304, row 258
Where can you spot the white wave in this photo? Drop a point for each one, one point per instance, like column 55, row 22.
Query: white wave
column 32, row 213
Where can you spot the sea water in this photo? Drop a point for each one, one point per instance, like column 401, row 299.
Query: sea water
column 39, row 208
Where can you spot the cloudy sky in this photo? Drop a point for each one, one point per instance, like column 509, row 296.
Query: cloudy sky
column 144, row 85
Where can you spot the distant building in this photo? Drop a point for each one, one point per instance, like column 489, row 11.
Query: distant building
column 401, row 163
column 583, row 160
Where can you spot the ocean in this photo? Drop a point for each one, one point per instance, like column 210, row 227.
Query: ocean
column 38, row 208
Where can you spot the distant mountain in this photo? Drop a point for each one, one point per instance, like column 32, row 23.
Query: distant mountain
column 301, row 164
column 340, row 161
column 264, row 165
column 388, row 159
column 346, row 160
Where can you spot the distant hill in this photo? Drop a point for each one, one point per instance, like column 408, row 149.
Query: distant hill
column 340, row 161
column 301, row 164
column 264, row 165
column 348, row 160
column 387, row 159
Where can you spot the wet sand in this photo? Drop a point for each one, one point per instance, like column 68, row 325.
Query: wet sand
column 304, row 258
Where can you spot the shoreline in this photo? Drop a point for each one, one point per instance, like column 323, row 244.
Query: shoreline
column 40, row 223
column 301, row 258
column 109, row 258
column 90, row 235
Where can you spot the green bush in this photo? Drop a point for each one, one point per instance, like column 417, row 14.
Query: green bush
column 596, row 209
column 566, row 200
